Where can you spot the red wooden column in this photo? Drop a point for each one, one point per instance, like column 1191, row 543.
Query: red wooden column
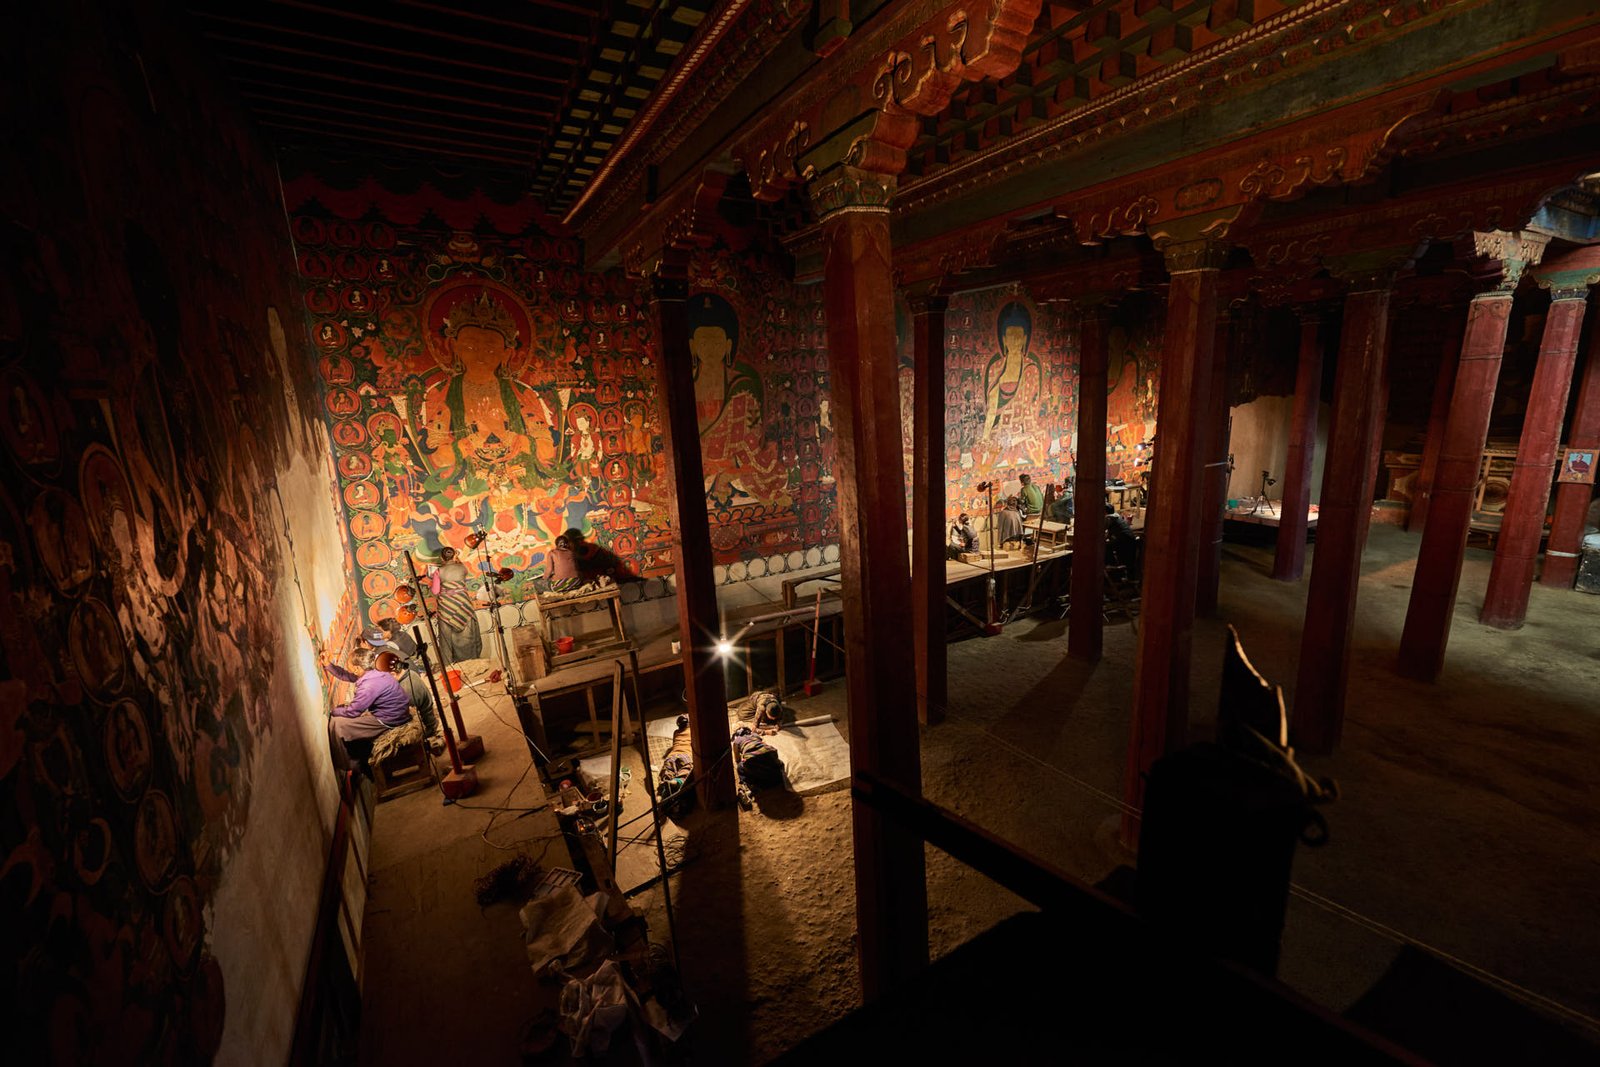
column 1290, row 561
column 928, row 505
column 1172, row 524
column 858, row 299
column 1444, row 539
column 1505, row 603
column 691, row 539
column 1342, row 519
column 1443, row 387
column 1214, row 486
column 1085, row 634
column 1572, row 500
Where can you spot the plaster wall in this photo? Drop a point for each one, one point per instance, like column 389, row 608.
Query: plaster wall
column 1260, row 441
column 169, row 563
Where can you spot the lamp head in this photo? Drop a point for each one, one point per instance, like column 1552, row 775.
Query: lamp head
column 476, row 538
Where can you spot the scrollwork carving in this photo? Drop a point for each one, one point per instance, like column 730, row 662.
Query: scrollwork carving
column 849, row 189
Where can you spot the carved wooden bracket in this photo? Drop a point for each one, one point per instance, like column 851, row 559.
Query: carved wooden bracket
column 873, row 116
column 681, row 222
column 1569, row 275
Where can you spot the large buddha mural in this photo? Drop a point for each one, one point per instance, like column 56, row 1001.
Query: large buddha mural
column 741, row 465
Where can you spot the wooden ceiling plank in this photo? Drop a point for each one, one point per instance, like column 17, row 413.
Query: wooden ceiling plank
column 342, row 48
column 544, row 31
column 404, row 147
column 301, row 72
column 524, row 141
column 425, row 31
column 249, row 86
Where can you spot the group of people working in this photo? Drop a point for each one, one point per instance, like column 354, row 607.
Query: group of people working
column 1010, row 523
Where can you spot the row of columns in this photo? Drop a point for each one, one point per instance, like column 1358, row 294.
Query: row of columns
column 1182, row 537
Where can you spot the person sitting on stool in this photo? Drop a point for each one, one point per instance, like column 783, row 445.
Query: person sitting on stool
column 1032, row 497
column 1122, row 544
column 392, row 636
column 963, row 538
column 379, row 704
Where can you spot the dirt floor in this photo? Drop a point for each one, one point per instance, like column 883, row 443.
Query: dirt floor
column 1467, row 823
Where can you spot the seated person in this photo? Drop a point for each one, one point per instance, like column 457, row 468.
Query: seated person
column 1007, row 522
column 379, row 703
column 1031, row 497
column 391, row 637
column 1061, row 509
column 596, row 561
column 1122, row 544
column 963, row 538
column 561, row 567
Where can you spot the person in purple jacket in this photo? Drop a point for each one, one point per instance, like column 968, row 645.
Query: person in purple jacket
column 380, row 702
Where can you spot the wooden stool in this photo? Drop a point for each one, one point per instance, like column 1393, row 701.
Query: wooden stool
column 403, row 743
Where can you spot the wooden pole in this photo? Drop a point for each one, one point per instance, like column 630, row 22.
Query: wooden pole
column 470, row 745
column 1172, row 523
column 1347, row 485
column 928, row 505
column 1505, row 603
column 1086, row 628
column 1572, row 499
column 1289, row 562
column 691, row 539
column 858, row 287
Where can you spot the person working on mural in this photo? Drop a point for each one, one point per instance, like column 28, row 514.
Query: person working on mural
column 458, row 633
column 1032, row 498
column 1061, row 509
column 595, row 562
column 1122, row 544
column 392, row 637
column 561, row 567
column 380, row 703
column 963, row 538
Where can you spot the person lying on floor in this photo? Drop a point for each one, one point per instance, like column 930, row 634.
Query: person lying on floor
column 380, row 703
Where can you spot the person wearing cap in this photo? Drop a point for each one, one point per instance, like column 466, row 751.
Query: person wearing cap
column 391, row 636
column 379, row 703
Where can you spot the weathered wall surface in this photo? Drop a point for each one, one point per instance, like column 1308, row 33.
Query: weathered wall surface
column 168, row 562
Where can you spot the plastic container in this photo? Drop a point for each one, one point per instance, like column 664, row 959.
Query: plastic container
column 563, row 645
column 452, row 678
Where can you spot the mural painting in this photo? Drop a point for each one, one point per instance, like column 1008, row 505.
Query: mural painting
column 141, row 554
column 478, row 380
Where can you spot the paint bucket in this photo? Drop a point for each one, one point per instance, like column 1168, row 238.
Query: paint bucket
column 563, row 645
column 452, row 678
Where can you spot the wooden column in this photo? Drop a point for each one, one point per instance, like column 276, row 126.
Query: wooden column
column 1290, row 561
column 698, row 619
column 1342, row 519
column 858, row 288
column 1505, row 603
column 1572, row 500
column 1172, row 524
column 928, row 522
column 1444, row 539
column 1439, row 412
column 1085, row 634
column 1214, row 483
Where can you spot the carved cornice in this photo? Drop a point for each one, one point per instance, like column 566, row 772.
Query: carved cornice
column 868, row 112
column 847, row 189
column 1271, row 49
column 1283, row 165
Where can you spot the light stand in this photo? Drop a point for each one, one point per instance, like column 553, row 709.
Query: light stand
column 471, row 746
column 992, row 626
column 531, row 726
column 462, row 781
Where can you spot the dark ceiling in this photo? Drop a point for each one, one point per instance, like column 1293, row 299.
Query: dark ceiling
column 542, row 88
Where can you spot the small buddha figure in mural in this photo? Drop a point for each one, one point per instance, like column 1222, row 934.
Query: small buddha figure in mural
column 1013, row 373
column 741, row 465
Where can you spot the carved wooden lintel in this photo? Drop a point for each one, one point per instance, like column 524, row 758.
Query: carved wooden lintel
column 682, row 221
column 873, row 110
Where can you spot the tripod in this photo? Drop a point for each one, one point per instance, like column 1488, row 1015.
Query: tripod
column 1261, row 497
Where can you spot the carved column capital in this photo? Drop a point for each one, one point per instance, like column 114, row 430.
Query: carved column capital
column 1580, row 292
column 848, row 189
column 1370, row 272
column 927, row 303
column 1202, row 253
column 1509, row 253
